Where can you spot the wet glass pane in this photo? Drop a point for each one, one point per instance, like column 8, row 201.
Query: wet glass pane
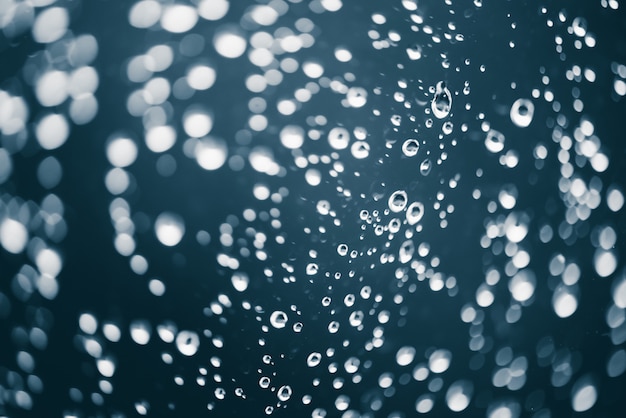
column 312, row 208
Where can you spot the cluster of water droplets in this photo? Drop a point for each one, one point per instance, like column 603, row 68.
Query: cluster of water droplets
column 362, row 238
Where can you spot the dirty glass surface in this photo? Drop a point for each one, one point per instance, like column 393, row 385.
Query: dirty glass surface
column 312, row 208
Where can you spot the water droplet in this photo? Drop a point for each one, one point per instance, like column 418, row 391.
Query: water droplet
column 406, row 251
column 187, row 342
column 357, row 96
column 442, row 101
column 414, row 52
column 415, row 213
column 397, row 201
column 425, row 167
column 313, row 359
column 339, row 138
column 522, row 112
column 284, row 393
column 278, row 319
column 410, row 147
column 494, row 142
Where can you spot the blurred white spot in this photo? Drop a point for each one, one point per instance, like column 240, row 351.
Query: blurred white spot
column 50, row 25
column 111, row 332
column 264, row 15
column 619, row 293
column 48, row 262
column 144, row 14
column 605, row 262
column 459, row 395
column 564, row 302
column 157, row 90
column 424, row 404
column 332, row 5
column 117, row 181
column 522, row 112
column 229, row 42
column 584, row 395
column 187, row 342
column 83, row 109
column 179, row 18
column 614, row 199
column 156, row 287
column 140, row 332
column 159, row 58
column 522, row 285
column 292, row 136
column 356, row 96
column 201, row 77
column 343, row 55
column 313, row 177
column 83, row 50
column 213, row 9
column 262, row 160
column 51, row 88
column 616, row 365
column 339, row 138
column 197, row 123
column 405, row 355
column 312, row 69
column 494, row 142
column 138, row 264
column 48, row 286
column 83, row 80
column 160, row 138
column 13, row 235
column 240, row 281
column 88, row 323
column 439, row 361
column 211, row 153
column 106, row 367
column 121, row 152
column 169, row 229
